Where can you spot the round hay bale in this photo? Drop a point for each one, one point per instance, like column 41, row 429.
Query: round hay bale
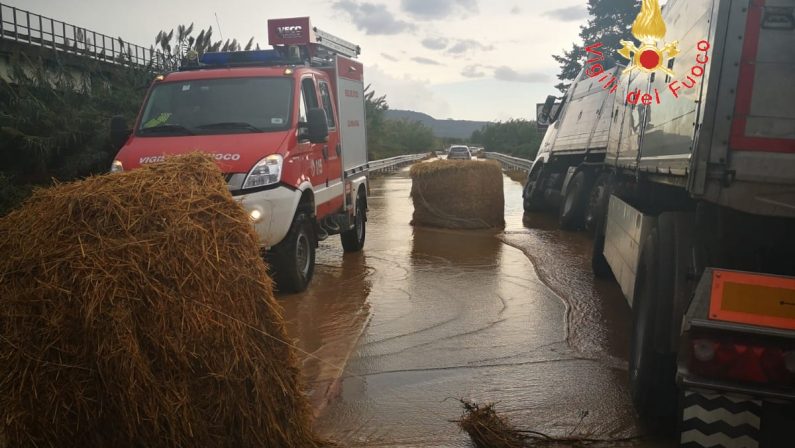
column 137, row 312
column 457, row 194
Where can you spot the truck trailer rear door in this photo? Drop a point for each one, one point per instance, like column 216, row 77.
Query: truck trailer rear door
column 746, row 148
column 765, row 107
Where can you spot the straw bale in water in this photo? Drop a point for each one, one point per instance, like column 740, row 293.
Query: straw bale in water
column 458, row 194
column 137, row 312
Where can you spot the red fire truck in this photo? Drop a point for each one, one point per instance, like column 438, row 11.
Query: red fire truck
column 287, row 128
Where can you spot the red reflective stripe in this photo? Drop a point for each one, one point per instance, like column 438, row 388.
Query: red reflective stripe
column 743, row 143
column 739, row 140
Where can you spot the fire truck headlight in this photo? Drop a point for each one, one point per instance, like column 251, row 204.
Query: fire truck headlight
column 267, row 171
column 116, row 167
column 255, row 215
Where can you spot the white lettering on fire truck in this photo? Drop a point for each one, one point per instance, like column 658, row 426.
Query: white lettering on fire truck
column 316, row 167
column 219, row 157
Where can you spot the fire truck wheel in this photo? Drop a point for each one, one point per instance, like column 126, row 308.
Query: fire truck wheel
column 294, row 258
column 534, row 191
column 572, row 210
column 652, row 369
column 353, row 239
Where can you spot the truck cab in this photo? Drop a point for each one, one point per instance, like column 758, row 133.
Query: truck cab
column 286, row 128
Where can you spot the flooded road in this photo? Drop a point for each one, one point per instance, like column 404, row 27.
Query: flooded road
column 395, row 335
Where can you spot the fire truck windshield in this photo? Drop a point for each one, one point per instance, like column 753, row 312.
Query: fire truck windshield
column 218, row 106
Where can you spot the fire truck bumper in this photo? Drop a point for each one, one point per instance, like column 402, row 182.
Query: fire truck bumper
column 271, row 212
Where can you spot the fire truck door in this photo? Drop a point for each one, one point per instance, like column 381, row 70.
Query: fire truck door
column 332, row 152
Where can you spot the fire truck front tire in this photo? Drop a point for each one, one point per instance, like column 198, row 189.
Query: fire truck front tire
column 293, row 260
column 353, row 239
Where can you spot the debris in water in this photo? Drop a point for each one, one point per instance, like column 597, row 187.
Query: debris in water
column 487, row 429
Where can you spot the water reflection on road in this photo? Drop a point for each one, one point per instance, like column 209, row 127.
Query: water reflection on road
column 425, row 316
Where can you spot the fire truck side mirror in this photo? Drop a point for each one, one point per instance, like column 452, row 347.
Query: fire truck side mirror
column 318, row 125
column 119, row 132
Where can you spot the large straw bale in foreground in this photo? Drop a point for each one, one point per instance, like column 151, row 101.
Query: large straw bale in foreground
column 136, row 312
column 458, row 194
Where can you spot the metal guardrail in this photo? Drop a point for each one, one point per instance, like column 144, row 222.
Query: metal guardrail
column 34, row 29
column 394, row 163
column 511, row 162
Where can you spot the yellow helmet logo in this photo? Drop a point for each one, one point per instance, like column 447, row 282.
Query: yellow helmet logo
column 649, row 28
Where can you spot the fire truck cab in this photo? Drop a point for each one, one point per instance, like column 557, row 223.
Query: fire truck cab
column 287, row 128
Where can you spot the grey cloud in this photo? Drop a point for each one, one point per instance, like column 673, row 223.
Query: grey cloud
column 516, row 10
column 435, row 43
column 473, row 71
column 570, row 14
column 437, row 9
column 389, row 57
column 425, row 61
column 505, row 73
column 463, row 46
column 372, row 18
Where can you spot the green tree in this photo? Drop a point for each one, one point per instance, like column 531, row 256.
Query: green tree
column 54, row 116
column 610, row 22
column 375, row 107
column 406, row 137
column 54, row 120
column 389, row 138
column 516, row 137
column 175, row 47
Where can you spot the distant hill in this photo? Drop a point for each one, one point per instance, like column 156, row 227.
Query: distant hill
column 441, row 128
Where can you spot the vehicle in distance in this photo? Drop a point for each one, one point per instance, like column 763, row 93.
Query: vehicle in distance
column 459, row 153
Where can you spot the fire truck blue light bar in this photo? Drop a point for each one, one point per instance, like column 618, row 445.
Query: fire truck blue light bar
column 240, row 57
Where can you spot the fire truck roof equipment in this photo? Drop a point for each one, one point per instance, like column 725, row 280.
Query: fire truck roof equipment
column 298, row 32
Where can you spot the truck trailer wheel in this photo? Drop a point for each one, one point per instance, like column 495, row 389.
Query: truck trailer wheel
column 294, row 258
column 353, row 239
column 598, row 202
column 534, row 191
column 572, row 210
column 652, row 368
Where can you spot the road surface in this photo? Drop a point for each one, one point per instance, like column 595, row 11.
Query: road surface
column 395, row 335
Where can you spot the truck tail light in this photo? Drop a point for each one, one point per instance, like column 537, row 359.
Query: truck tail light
column 789, row 361
column 760, row 362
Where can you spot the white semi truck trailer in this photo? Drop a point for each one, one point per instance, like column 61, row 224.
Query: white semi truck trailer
column 686, row 177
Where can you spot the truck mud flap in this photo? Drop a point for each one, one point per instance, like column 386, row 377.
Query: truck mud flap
column 711, row 419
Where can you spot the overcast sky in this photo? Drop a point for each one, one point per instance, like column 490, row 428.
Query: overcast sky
column 463, row 59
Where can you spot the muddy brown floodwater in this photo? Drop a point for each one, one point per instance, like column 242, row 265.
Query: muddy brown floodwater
column 395, row 335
